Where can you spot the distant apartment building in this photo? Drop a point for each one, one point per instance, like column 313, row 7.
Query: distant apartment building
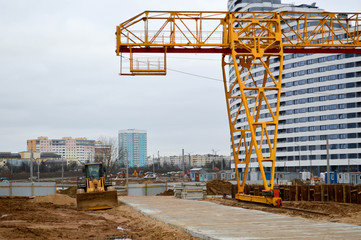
column 132, row 147
column 196, row 160
column 77, row 149
column 101, row 150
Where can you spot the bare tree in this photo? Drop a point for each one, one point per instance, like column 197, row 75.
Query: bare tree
column 106, row 151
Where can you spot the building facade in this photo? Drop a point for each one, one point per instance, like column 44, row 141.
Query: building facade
column 132, row 147
column 320, row 100
column 77, row 149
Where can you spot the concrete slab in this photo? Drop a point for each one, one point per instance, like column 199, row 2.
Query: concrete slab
column 212, row 221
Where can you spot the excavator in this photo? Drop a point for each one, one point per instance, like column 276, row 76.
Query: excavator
column 95, row 193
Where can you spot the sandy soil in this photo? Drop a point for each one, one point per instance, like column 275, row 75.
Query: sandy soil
column 332, row 212
column 55, row 217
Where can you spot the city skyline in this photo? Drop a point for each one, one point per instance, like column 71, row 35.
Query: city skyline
column 67, row 82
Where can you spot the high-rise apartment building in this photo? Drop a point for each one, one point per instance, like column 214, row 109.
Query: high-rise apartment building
column 320, row 100
column 133, row 147
column 80, row 149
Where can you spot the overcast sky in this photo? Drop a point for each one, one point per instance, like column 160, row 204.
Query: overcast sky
column 59, row 77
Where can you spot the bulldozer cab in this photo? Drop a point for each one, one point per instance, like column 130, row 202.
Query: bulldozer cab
column 94, row 171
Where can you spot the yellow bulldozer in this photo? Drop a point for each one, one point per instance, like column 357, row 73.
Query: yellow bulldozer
column 95, row 193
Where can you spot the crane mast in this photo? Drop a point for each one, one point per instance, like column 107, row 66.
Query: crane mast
column 249, row 42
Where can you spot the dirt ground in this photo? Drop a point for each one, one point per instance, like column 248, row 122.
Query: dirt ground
column 332, row 212
column 55, row 217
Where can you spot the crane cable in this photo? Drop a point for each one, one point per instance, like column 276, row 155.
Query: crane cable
column 186, row 73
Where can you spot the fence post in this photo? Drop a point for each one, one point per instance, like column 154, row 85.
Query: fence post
column 322, row 193
column 296, row 193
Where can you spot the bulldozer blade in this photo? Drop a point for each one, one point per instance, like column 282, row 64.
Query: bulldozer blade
column 97, row 200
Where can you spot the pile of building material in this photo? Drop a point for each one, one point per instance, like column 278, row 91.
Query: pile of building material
column 190, row 190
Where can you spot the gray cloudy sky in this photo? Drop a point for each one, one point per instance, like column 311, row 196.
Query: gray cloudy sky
column 59, row 77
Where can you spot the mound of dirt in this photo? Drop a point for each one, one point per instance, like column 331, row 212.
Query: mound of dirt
column 71, row 191
column 219, row 187
column 57, row 199
column 169, row 192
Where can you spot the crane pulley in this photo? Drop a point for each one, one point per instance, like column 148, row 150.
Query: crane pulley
column 249, row 42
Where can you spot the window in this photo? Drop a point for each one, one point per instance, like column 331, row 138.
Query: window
column 331, row 58
column 302, row 91
column 351, row 135
column 303, row 129
column 323, row 117
column 341, row 96
column 323, row 108
column 351, row 105
column 322, row 79
column 332, row 87
column 333, row 116
column 323, row 98
column 311, row 109
column 333, row 127
column 322, row 89
column 310, row 80
column 332, row 107
column 311, row 99
column 311, row 119
column 323, row 127
column 302, row 82
column 340, row 66
column 342, row 136
column 322, row 69
column 332, row 97
column 332, row 67
column 341, row 76
column 351, row 115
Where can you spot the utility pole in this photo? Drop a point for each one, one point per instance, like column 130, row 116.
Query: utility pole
column 62, row 172
column 189, row 160
column 38, row 170
column 31, row 165
column 328, row 162
column 127, row 167
column 158, row 161
column 183, row 163
column 153, row 164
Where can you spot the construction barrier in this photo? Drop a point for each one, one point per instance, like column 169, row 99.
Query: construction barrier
column 341, row 193
column 27, row 189
column 146, row 189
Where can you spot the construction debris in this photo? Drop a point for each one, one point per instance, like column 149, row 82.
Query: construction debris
column 219, row 187
column 169, row 192
column 190, row 190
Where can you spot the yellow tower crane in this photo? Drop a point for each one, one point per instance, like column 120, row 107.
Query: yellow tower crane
column 248, row 42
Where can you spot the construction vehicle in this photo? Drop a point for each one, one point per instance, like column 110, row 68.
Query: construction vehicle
column 138, row 174
column 248, row 42
column 95, row 193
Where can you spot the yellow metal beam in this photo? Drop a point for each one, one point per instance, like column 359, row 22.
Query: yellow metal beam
column 247, row 41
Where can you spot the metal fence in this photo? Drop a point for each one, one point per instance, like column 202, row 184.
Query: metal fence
column 27, row 189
